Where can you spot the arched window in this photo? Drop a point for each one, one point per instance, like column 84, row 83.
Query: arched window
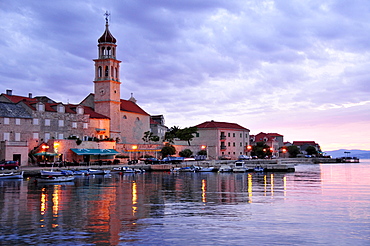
column 114, row 52
column 108, row 51
column 116, row 73
column 99, row 71
column 112, row 71
column 106, row 71
column 102, row 51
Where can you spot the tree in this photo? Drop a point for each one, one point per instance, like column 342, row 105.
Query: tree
column 186, row 153
column 202, row 152
column 186, row 134
column 171, row 134
column 149, row 137
column 311, row 150
column 293, row 151
column 261, row 150
column 168, row 150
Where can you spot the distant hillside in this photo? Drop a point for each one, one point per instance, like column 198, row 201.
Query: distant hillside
column 362, row 154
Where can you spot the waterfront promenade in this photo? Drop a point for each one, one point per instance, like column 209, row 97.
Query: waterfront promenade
column 271, row 165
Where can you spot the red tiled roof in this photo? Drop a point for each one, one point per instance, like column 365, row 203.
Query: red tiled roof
column 129, row 106
column 94, row 114
column 299, row 143
column 17, row 99
column 223, row 125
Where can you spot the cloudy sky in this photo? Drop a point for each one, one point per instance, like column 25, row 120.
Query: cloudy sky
column 298, row 68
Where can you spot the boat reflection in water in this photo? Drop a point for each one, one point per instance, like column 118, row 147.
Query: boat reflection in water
column 194, row 208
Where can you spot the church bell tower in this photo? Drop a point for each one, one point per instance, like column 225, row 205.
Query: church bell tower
column 107, row 83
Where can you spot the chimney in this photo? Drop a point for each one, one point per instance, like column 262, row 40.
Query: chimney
column 30, row 95
column 9, row 92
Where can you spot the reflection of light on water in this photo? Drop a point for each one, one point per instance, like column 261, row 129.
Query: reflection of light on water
column 272, row 184
column 250, row 188
column 43, row 201
column 284, row 181
column 55, row 201
column 204, row 190
column 265, row 184
column 134, row 197
column 55, row 204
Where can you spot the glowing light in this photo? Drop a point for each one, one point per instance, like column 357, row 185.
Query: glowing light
column 204, row 147
column 43, row 202
column 134, row 147
column 284, row 182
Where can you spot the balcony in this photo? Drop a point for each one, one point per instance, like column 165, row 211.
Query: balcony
column 222, row 137
column 223, row 148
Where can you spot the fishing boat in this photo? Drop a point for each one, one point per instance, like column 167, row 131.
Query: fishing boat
column 54, row 179
column 11, row 175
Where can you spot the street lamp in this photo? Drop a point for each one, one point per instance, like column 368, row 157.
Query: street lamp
column 204, row 147
column 45, row 148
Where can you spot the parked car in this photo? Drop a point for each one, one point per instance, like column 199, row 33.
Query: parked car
column 9, row 165
column 225, row 157
column 243, row 157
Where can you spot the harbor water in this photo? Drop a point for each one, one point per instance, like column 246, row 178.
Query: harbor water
column 318, row 204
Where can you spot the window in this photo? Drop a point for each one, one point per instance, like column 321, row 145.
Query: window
column 228, row 144
column 35, row 135
column 197, row 134
column 241, row 144
column 241, row 135
column 74, row 124
column 60, row 136
column 6, row 121
column 17, row 121
column 234, row 144
column 85, row 126
column 47, row 122
column 80, row 110
column 47, row 136
column 228, row 134
column 17, row 136
column 6, row 136
column 234, row 135
column 41, row 107
column 61, row 123
column 124, row 117
column 35, row 121
column 137, row 119
column 61, row 109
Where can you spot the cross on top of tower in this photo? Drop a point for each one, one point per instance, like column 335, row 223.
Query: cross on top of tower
column 107, row 14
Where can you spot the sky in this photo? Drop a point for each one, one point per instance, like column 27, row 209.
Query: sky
column 297, row 68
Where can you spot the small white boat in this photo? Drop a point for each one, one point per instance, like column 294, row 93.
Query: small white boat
column 56, row 173
column 225, row 168
column 81, row 172
column 239, row 167
column 98, row 171
column 11, row 175
column 52, row 179
column 206, row 169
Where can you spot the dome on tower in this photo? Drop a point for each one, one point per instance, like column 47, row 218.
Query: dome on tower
column 107, row 37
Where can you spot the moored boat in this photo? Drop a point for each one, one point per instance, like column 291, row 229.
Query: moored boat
column 206, row 169
column 11, row 175
column 239, row 167
column 98, row 171
column 56, row 173
column 259, row 169
column 52, row 179
column 225, row 168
